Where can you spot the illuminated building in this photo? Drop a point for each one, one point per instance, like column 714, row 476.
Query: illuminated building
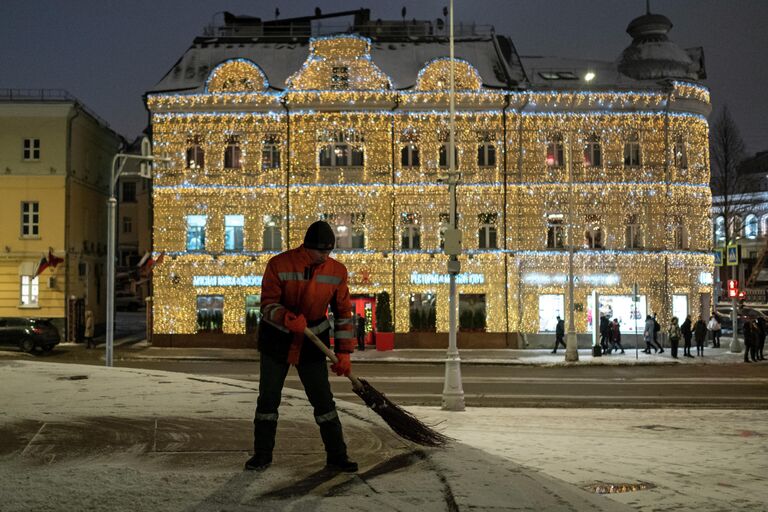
column 270, row 130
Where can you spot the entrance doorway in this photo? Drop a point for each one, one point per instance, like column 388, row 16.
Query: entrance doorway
column 365, row 306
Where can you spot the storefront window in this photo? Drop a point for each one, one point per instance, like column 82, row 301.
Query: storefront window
column 472, row 312
column 680, row 307
column 252, row 313
column 550, row 307
column 631, row 314
column 423, row 312
column 210, row 313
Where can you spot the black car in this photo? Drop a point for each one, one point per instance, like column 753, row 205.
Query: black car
column 29, row 334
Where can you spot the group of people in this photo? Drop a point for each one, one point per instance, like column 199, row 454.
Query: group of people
column 687, row 331
column 755, row 330
column 610, row 335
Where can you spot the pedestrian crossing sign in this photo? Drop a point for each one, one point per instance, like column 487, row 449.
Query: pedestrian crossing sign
column 718, row 257
column 732, row 255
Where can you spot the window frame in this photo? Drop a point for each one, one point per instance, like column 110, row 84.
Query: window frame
column 33, row 221
column 555, row 156
column 345, row 145
column 128, row 197
column 555, row 227
column 233, row 154
column 354, row 224
column 410, row 229
column 30, row 151
column 633, row 156
column 593, row 147
column 234, row 238
column 272, row 231
column 486, row 155
column 32, row 291
column 487, row 232
column 270, row 153
column 410, row 157
column 442, row 155
column 633, row 234
column 195, row 156
column 127, row 224
column 198, row 229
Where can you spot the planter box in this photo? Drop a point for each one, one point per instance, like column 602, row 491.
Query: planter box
column 385, row 341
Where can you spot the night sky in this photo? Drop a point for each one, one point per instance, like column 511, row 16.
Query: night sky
column 108, row 52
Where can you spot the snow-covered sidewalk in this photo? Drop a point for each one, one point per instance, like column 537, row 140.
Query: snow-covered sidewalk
column 78, row 437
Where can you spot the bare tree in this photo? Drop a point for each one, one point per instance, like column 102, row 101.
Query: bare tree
column 732, row 198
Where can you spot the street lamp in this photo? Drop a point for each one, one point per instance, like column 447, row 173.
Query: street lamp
column 453, row 393
column 571, row 338
column 145, row 171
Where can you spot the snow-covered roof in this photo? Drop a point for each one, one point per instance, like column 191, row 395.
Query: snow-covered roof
column 493, row 56
column 564, row 73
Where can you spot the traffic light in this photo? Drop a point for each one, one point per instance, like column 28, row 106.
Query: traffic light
column 733, row 288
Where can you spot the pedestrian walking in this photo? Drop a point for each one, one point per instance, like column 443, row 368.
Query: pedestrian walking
column 762, row 329
column 360, row 332
column 749, row 339
column 687, row 335
column 700, row 335
column 656, row 329
column 674, row 335
column 297, row 288
column 714, row 327
column 648, row 335
column 605, row 333
column 88, row 333
column 559, row 334
column 616, row 336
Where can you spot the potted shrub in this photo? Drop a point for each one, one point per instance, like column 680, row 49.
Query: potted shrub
column 385, row 338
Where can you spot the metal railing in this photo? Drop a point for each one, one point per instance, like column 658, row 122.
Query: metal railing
column 52, row 95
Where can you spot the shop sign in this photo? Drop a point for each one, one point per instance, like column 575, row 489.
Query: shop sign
column 226, row 280
column 434, row 278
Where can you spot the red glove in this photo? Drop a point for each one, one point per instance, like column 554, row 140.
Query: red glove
column 344, row 366
column 295, row 323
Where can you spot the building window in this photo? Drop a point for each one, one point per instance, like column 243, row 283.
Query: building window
column 233, row 232
column 593, row 155
column 349, row 229
column 555, row 231
column 680, row 235
column 486, row 234
column 210, row 313
column 129, row 192
column 750, row 227
column 270, row 153
column 443, row 157
column 555, row 151
column 340, row 78
column 764, row 225
column 411, row 231
column 423, row 312
column 273, row 239
column 127, row 225
column 31, row 149
column 409, row 156
column 720, row 230
column 195, row 156
column 233, row 154
column 486, row 155
column 196, row 232
column 680, row 153
column 252, row 313
column 632, row 151
column 30, row 219
column 634, row 236
column 593, row 235
column 341, row 148
column 472, row 312
column 29, row 290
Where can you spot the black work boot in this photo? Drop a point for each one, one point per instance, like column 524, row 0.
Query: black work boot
column 259, row 462
column 341, row 463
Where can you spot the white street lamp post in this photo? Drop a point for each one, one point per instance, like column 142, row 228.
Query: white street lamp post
column 453, row 393
column 146, row 172
column 571, row 339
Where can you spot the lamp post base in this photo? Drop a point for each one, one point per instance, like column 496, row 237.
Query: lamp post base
column 453, row 394
column 571, row 347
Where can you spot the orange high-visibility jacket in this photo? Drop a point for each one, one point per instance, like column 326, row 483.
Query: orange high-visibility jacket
column 292, row 283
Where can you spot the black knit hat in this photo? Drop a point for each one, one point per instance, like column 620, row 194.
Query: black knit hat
column 320, row 236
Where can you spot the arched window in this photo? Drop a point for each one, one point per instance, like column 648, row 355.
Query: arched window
column 486, row 149
column 486, row 234
column 679, row 234
column 270, row 152
column 750, row 227
column 195, row 155
column 720, row 230
column 555, row 151
column 341, row 148
column 593, row 155
column 444, row 155
column 764, row 225
column 634, row 234
column 632, row 156
column 410, row 230
column 232, row 154
column 593, row 234
column 555, row 231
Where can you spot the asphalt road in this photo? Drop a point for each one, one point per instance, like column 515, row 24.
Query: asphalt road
column 737, row 386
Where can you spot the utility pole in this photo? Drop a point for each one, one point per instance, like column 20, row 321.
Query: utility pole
column 571, row 338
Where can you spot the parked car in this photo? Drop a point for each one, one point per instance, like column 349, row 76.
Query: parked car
column 29, row 334
column 725, row 317
column 126, row 301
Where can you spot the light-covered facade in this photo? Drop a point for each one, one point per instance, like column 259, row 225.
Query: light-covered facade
column 341, row 139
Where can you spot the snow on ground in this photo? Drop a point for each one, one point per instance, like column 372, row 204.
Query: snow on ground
column 699, row 460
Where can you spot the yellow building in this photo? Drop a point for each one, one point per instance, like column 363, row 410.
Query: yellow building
column 269, row 133
column 55, row 157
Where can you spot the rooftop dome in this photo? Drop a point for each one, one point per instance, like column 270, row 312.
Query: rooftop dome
column 652, row 55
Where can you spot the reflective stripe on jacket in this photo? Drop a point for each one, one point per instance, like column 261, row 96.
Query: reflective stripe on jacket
column 292, row 283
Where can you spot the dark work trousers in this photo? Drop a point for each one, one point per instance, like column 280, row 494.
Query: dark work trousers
column 314, row 378
column 674, row 343
column 558, row 341
column 655, row 343
column 687, row 346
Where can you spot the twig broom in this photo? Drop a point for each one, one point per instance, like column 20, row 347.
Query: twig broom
column 405, row 424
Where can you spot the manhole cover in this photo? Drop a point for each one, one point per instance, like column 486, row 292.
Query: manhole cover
column 657, row 427
column 74, row 377
column 617, row 487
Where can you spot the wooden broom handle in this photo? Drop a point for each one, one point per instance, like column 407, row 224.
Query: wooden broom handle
column 329, row 353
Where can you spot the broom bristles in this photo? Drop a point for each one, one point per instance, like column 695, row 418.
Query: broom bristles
column 405, row 424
